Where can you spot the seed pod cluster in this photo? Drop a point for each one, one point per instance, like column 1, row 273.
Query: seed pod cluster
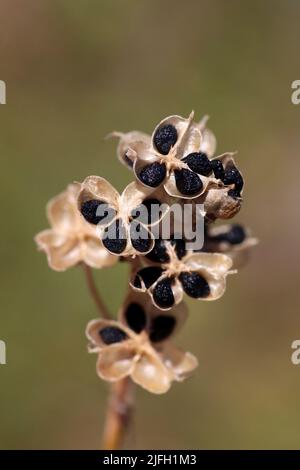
column 93, row 223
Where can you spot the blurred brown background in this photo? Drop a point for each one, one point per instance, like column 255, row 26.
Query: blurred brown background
column 74, row 72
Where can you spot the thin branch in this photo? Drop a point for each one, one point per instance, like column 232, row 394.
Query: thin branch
column 94, row 292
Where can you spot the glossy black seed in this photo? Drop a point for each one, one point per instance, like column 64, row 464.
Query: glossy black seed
column 234, row 236
column 234, row 193
column 146, row 212
column 217, row 169
column 161, row 328
column 153, row 175
column 163, row 294
column 114, row 238
column 164, row 138
column 188, row 182
column 149, row 275
column 135, row 317
column 199, row 163
column 112, row 334
column 159, row 253
column 194, row 285
column 233, row 176
column 179, row 247
column 89, row 211
column 128, row 161
column 140, row 237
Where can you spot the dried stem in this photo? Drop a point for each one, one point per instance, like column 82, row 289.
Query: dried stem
column 118, row 415
column 104, row 313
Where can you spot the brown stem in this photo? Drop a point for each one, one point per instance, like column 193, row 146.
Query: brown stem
column 104, row 313
column 120, row 403
column 118, row 414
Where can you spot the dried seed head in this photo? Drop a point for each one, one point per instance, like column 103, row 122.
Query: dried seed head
column 112, row 334
column 153, row 175
column 165, row 138
column 217, row 168
column 163, row 294
column 194, row 285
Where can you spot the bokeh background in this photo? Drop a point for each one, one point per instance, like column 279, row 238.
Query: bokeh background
column 74, row 72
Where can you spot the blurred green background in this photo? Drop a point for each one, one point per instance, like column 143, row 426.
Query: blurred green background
column 74, row 72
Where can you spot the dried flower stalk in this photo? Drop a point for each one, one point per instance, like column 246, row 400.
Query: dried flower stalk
column 93, row 225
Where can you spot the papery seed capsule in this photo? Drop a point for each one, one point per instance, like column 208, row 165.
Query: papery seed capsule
column 194, row 285
column 140, row 237
column 233, row 176
column 161, row 328
column 217, row 169
column 153, row 175
column 89, row 211
column 163, row 294
column 187, row 182
column 199, row 163
column 135, row 317
column 149, row 275
column 112, row 334
column 164, row 138
column 114, row 238
column 159, row 252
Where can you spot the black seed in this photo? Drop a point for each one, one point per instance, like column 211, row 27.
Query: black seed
column 163, row 294
column 179, row 247
column 153, row 175
column 217, row 169
column 112, row 334
column 89, row 211
column 128, row 161
column 135, row 317
column 194, row 285
column 144, row 211
column 233, row 176
column 199, row 163
column 164, row 138
column 114, row 238
column 187, row 182
column 140, row 237
column 234, row 193
column 149, row 275
column 234, row 236
column 159, row 253
column 161, row 328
